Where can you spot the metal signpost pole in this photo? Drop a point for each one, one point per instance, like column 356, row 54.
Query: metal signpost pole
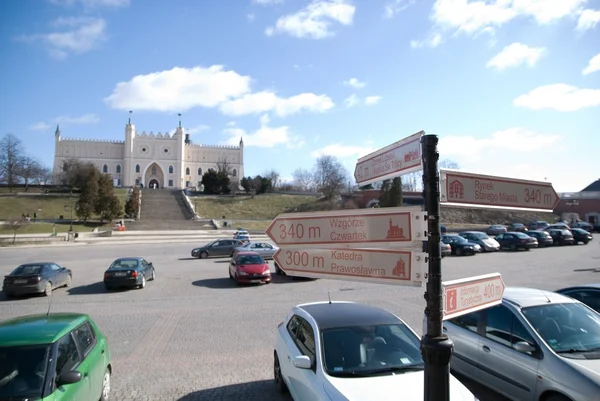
column 436, row 347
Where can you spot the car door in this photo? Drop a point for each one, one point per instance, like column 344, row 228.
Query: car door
column 92, row 355
column 464, row 331
column 503, row 240
column 61, row 273
column 146, row 268
column 68, row 358
column 303, row 343
column 215, row 249
column 55, row 275
column 511, row 373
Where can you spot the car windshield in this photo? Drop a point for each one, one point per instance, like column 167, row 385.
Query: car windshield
column 250, row 260
column 25, row 270
column 579, row 230
column 521, row 235
column 369, row 350
column 124, row 264
column 566, row 327
column 517, row 225
column 22, row 371
column 481, row 235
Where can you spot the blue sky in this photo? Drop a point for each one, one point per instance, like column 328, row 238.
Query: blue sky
column 512, row 87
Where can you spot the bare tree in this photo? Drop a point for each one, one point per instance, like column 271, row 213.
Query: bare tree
column 274, row 176
column 29, row 169
column 11, row 153
column 330, row 176
column 412, row 182
column 14, row 225
column 44, row 176
column 69, row 173
column 223, row 166
column 450, row 164
column 303, row 179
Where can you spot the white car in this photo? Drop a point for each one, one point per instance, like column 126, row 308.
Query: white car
column 342, row 351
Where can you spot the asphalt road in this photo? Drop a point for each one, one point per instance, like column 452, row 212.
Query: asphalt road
column 193, row 335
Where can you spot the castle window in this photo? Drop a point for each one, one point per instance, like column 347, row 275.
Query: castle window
column 170, row 171
column 199, row 171
column 187, row 171
column 137, row 168
column 170, row 183
column 105, row 169
column 153, row 170
column 234, row 172
column 118, row 169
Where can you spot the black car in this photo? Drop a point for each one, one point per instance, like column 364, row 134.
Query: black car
column 460, row 246
column 517, row 227
column 543, row 238
column 220, row 247
column 129, row 272
column 580, row 235
column 36, row 278
column 515, row 240
column 589, row 294
column 561, row 236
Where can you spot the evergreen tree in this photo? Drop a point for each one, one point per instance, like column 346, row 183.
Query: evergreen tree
column 88, row 198
column 390, row 194
column 132, row 206
column 107, row 204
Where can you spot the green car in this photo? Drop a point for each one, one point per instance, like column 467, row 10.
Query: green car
column 58, row 356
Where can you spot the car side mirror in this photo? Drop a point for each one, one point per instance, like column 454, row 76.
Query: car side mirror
column 523, row 347
column 233, row 262
column 302, row 362
column 68, row 378
column 149, row 263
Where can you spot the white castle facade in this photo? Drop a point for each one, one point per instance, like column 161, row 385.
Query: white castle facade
column 150, row 160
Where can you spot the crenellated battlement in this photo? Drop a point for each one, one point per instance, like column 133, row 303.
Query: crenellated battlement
column 151, row 134
column 192, row 145
column 91, row 140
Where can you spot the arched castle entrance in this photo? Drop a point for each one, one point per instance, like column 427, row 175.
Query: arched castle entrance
column 154, row 175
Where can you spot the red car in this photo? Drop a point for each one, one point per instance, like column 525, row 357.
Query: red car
column 249, row 268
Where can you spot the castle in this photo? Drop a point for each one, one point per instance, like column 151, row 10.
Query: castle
column 150, row 160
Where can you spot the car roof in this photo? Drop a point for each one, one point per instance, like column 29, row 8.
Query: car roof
column 345, row 314
column 129, row 258
column 472, row 232
column 524, row 297
column 581, row 287
column 35, row 264
column 38, row 329
column 251, row 253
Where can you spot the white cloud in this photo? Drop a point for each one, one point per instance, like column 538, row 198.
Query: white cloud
column 197, row 129
column 40, row 126
column 265, row 101
column 473, row 17
column 250, row 17
column 516, row 54
column 588, row 19
column 267, row 2
column 372, row 100
column 434, row 40
column 79, row 35
column 179, row 89
column 343, row 151
column 354, row 83
column 84, row 119
column 263, row 137
column 91, row 3
column 560, row 97
column 395, row 7
column 315, row 20
column 351, row 100
column 593, row 65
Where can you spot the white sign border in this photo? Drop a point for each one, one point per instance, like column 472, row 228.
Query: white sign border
column 465, row 281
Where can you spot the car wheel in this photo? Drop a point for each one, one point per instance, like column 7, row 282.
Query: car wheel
column 48, row 289
column 153, row 276
column 458, row 252
column 279, row 382
column 203, row 255
column 513, row 247
column 69, row 281
column 143, row 285
column 585, row 242
column 105, row 386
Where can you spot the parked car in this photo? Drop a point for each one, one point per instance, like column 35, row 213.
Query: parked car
column 56, row 356
column 558, row 226
column 538, row 225
column 129, row 272
column 561, row 237
column 349, row 351
column 264, row 249
column 460, row 246
column 486, row 243
column 495, row 229
column 581, row 235
column 443, row 229
column 220, row 247
column 241, row 235
column 543, row 238
column 249, row 268
column 240, row 231
column 446, row 249
column 517, row 227
column 589, row 294
column 584, row 225
column 516, row 240
column 36, row 278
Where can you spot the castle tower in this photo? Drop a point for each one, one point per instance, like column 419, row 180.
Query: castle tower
column 128, row 165
column 241, row 169
column 57, row 134
column 180, row 166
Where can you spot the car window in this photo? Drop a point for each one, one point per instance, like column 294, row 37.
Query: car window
column 124, row 263
column 498, row 325
column 68, row 356
column 54, row 267
column 470, row 321
column 27, row 269
column 293, row 326
column 589, row 297
column 84, row 335
column 502, row 236
column 305, row 338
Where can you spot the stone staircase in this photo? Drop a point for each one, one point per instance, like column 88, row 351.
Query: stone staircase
column 165, row 209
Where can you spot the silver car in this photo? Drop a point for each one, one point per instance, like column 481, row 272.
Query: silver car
column 537, row 345
column 486, row 243
column 264, row 249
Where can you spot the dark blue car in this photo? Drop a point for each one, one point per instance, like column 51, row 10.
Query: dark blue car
column 36, row 278
column 129, row 272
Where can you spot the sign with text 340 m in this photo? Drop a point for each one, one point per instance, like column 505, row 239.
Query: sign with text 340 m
column 361, row 227
column 385, row 266
column 471, row 294
column 399, row 158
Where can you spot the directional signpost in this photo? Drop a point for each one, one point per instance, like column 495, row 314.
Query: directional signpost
column 476, row 190
column 399, row 158
column 471, row 294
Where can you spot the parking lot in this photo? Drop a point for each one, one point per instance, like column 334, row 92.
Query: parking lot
column 193, row 335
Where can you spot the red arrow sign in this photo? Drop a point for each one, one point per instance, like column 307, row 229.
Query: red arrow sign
column 472, row 294
column 399, row 158
column 485, row 191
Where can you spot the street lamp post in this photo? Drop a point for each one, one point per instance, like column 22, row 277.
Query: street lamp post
column 71, row 209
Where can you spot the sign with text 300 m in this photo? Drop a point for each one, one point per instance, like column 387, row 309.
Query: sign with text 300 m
column 363, row 226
